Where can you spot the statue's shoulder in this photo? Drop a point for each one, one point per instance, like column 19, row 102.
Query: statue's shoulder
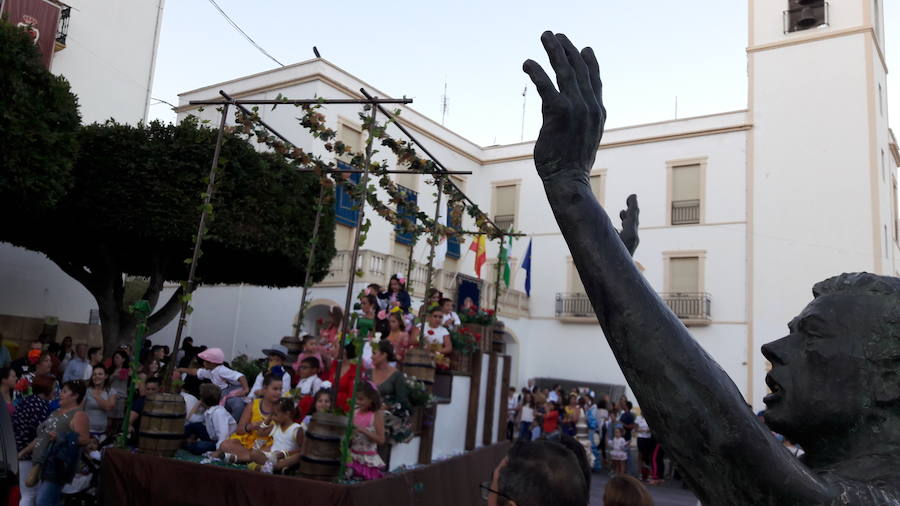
column 880, row 490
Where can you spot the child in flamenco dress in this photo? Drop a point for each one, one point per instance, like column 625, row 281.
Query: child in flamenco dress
column 368, row 424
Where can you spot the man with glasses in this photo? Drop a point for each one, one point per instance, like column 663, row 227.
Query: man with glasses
column 537, row 473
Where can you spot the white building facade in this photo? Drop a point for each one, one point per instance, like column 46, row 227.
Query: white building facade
column 741, row 212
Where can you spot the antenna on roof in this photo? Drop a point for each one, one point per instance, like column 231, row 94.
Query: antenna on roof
column 445, row 102
column 676, row 106
column 522, row 135
column 316, row 52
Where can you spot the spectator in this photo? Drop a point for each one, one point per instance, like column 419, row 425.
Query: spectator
column 396, row 295
column 26, row 363
column 68, row 419
column 232, row 383
column 250, row 432
column 436, row 336
column 308, row 384
column 30, row 413
column 5, row 358
column 394, row 392
column 512, row 412
column 624, row 490
column 187, row 349
column 451, row 319
column 42, row 364
column 398, row 336
column 287, row 438
column 526, row 416
column 78, row 368
column 151, row 387
column 276, row 356
column 8, row 381
column 65, row 352
column 365, row 323
column 345, row 379
column 537, row 473
column 95, row 358
column 551, row 421
column 158, row 353
column 626, row 419
column 368, row 433
column 646, row 445
column 217, row 425
column 99, row 401
column 618, row 451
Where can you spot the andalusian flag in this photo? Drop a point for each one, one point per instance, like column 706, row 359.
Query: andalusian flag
column 504, row 260
column 479, row 247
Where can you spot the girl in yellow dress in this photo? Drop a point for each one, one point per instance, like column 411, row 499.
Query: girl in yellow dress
column 239, row 447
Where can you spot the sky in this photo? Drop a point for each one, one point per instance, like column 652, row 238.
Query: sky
column 653, row 54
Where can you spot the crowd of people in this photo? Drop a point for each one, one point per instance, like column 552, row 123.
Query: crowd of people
column 606, row 430
column 67, row 400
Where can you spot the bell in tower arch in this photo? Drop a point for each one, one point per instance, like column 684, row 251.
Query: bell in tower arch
column 806, row 14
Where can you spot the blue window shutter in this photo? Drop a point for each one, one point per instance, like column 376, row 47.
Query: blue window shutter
column 409, row 214
column 345, row 210
column 453, row 242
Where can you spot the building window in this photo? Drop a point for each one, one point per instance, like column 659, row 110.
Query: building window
column 685, row 191
column 598, row 184
column 684, row 291
column 346, row 208
column 454, row 221
column 505, row 202
column 408, row 212
column 804, row 15
column 573, row 304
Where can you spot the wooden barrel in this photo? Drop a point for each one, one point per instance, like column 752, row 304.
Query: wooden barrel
column 419, row 364
column 320, row 457
column 460, row 362
column 162, row 424
column 294, row 347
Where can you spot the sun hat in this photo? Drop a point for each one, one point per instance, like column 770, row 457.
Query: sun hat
column 278, row 349
column 214, row 355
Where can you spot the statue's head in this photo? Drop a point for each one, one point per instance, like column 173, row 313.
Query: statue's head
column 839, row 368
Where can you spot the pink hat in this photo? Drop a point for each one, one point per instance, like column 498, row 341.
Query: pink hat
column 214, row 355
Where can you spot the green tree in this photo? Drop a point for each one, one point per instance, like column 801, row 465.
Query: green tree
column 134, row 206
column 38, row 124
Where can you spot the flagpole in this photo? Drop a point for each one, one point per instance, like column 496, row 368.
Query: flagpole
column 497, row 281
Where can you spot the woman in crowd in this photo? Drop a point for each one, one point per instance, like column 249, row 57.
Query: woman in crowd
column 581, row 430
column 432, row 299
column 254, row 421
column 99, row 401
column 551, row 421
column 394, row 392
column 345, row 377
column 8, row 380
column 68, row 419
column 30, row 413
column 42, row 365
column 396, row 294
column 526, row 416
column 368, row 433
column 368, row 306
column 571, row 414
column 66, row 352
column 624, row 490
column 119, row 375
column 398, row 336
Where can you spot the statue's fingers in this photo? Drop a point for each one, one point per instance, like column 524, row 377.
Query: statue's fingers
column 632, row 203
column 587, row 54
column 565, row 76
column 622, row 215
column 541, row 80
column 580, row 69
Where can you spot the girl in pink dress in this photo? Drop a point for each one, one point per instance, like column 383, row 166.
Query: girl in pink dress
column 368, row 422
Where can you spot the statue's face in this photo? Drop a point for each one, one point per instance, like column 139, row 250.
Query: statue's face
column 819, row 371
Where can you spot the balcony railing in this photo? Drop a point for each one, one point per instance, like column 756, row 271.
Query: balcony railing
column 375, row 267
column 692, row 308
column 574, row 306
column 505, row 221
column 62, row 30
column 685, row 212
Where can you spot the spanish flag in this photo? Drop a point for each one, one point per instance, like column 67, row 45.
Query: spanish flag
column 479, row 247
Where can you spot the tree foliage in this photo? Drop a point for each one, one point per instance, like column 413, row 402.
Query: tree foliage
column 134, row 207
column 38, row 124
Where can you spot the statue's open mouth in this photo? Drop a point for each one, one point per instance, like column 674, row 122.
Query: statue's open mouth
column 776, row 389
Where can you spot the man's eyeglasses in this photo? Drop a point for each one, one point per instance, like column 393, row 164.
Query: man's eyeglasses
column 486, row 492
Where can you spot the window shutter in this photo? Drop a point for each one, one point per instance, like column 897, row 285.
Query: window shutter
column 408, row 213
column 685, row 183
column 345, row 210
column 684, row 275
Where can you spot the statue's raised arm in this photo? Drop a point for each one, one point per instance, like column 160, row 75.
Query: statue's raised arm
column 725, row 453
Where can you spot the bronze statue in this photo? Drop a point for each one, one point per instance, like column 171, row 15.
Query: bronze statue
column 835, row 378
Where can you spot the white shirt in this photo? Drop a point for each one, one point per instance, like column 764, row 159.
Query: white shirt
column 221, row 376
column 189, row 403
column 285, row 440
column 258, row 385
column 642, row 429
column 435, row 335
column 310, row 385
column 451, row 319
column 553, row 396
column 220, row 425
column 527, row 414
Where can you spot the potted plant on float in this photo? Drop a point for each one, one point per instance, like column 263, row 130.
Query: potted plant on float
column 480, row 321
column 465, row 343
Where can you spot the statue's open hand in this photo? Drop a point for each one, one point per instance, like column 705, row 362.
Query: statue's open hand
column 574, row 115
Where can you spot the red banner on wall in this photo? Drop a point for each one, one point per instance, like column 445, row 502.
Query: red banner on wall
column 40, row 18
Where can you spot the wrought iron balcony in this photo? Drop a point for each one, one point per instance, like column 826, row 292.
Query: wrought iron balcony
column 574, row 307
column 685, row 212
column 691, row 308
column 62, row 30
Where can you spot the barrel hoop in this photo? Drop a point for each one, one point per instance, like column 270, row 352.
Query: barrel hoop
column 311, row 460
column 153, row 435
column 151, row 414
column 313, row 435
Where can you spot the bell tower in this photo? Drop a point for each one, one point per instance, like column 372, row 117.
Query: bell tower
column 820, row 181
